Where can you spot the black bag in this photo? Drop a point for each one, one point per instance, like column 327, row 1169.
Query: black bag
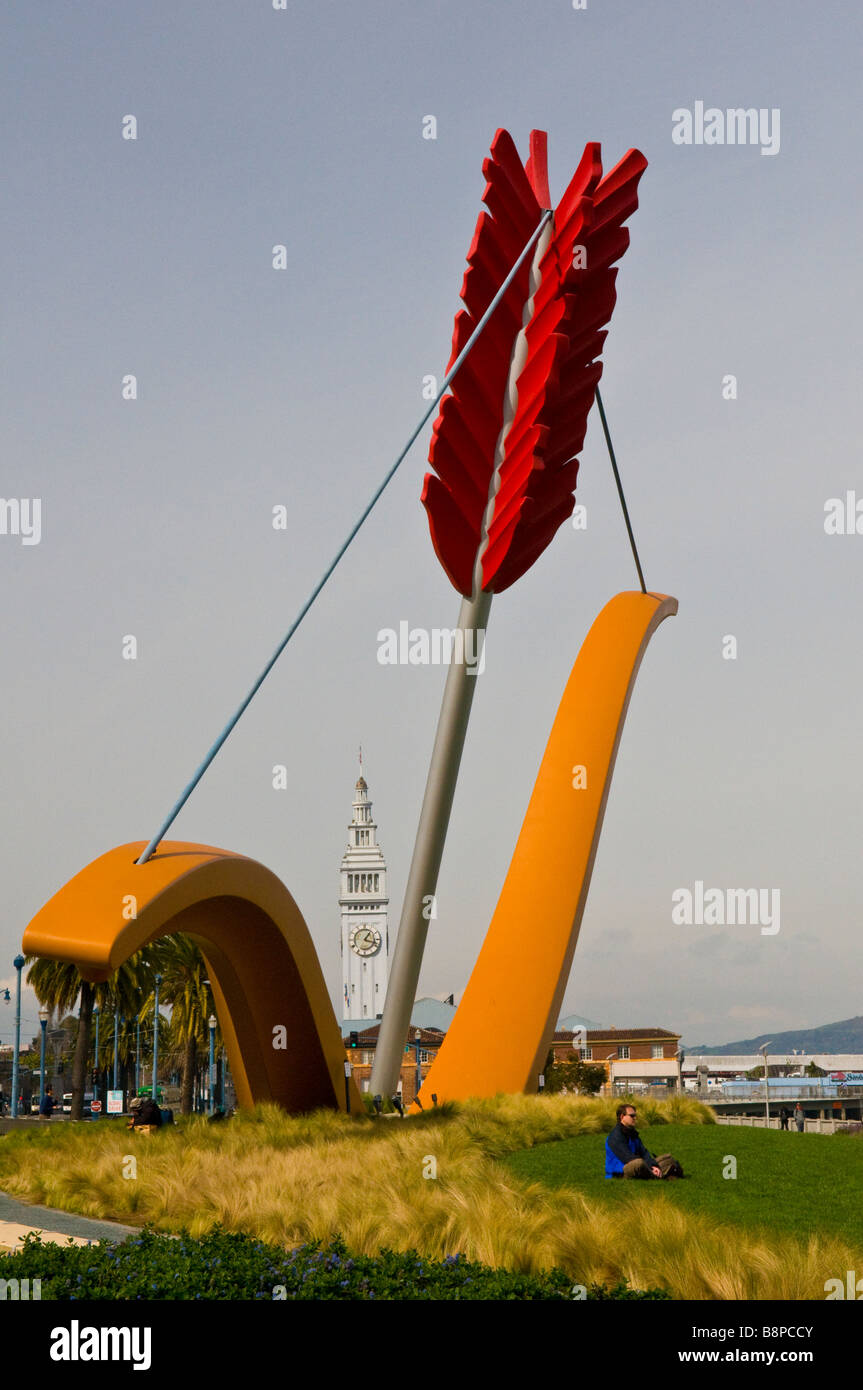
column 669, row 1167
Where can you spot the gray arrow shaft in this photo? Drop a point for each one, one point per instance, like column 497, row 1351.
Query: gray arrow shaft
column 428, row 851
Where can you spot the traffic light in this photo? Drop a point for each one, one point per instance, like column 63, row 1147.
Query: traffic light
column 355, row 1038
column 95, row 1076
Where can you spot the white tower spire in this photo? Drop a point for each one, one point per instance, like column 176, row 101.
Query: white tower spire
column 363, row 903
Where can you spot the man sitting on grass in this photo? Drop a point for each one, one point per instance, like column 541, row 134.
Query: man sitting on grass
column 626, row 1156
column 146, row 1114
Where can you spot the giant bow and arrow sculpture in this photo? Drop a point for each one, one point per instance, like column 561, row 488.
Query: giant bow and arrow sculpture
column 539, row 288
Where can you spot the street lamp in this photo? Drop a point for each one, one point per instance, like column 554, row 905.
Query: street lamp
column 116, row 1045
column 763, row 1048
column 18, row 963
column 680, row 1056
column 211, row 1024
column 96, row 1059
column 611, row 1059
column 157, row 980
column 43, row 1021
column 417, row 1039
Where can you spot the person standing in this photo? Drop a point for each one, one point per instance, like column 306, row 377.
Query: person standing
column 799, row 1117
column 784, row 1117
column 46, row 1109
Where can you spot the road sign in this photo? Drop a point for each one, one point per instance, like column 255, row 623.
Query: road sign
column 115, row 1103
column 95, row 1107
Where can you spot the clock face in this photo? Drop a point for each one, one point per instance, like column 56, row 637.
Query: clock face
column 365, row 940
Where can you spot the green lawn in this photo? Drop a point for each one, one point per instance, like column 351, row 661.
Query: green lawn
column 801, row 1184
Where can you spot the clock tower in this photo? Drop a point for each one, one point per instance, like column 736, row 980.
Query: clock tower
column 363, row 903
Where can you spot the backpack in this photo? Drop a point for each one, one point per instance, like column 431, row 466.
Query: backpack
column 669, row 1166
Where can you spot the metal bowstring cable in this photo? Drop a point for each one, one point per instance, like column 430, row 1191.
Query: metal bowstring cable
column 180, row 803
column 620, row 489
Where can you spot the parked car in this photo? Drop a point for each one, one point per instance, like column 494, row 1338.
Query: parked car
column 148, row 1091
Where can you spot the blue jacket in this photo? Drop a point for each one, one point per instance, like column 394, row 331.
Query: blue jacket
column 621, row 1147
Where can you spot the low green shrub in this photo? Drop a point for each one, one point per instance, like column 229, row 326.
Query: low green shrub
column 226, row 1265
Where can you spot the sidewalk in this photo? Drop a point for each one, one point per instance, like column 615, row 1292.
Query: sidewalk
column 17, row 1219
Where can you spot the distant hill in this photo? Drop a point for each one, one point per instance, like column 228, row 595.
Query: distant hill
column 846, row 1036
column 571, row 1021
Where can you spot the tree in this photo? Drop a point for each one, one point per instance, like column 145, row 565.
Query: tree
column 61, row 1040
column 58, row 984
column 186, row 989
column 577, row 1076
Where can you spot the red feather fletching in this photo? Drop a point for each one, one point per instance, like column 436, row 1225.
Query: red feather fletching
column 504, row 446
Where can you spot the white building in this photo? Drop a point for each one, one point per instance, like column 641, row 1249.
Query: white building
column 722, row 1067
column 363, row 903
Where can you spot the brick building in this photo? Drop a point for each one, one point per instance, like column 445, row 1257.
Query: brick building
column 362, row 1057
column 631, row 1056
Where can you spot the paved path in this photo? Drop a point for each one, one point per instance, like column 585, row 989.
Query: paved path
column 17, row 1218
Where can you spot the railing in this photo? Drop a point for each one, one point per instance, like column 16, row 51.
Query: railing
column 790, row 1091
column 817, row 1126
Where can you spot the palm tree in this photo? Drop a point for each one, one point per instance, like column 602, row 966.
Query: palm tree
column 58, row 984
column 186, row 989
